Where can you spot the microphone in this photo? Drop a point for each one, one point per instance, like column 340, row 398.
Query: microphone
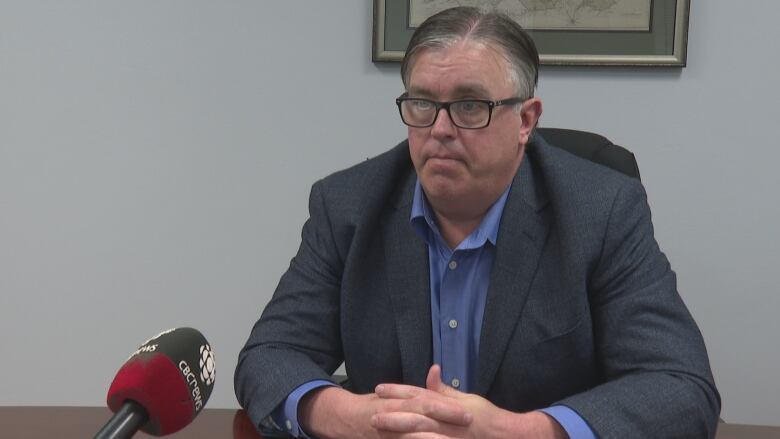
column 162, row 386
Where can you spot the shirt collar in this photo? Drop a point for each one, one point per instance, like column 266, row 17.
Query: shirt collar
column 423, row 220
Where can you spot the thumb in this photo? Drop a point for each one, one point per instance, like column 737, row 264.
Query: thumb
column 433, row 382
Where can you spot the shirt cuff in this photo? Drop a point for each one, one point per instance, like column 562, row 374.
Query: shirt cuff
column 571, row 421
column 286, row 414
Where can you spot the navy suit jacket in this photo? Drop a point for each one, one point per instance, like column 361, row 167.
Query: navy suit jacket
column 582, row 307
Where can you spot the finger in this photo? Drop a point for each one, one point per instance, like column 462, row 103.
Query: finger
column 403, row 422
column 436, row 407
column 399, row 391
column 431, row 405
column 415, row 435
column 433, row 382
column 413, row 426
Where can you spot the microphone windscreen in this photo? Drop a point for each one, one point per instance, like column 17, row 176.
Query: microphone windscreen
column 171, row 375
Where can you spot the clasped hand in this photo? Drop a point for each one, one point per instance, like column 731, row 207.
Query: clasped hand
column 397, row 411
column 436, row 411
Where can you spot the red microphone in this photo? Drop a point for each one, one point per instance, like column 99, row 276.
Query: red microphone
column 162, row 386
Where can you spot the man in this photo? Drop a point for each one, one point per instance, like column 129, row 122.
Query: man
column 476, row 281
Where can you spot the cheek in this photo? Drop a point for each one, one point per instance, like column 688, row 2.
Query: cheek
column 492, row 156
column 417, row 135
column 415, row 150
column 481, row 151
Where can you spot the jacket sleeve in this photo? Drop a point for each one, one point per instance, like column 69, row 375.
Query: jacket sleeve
column 656, row 376
column 296, row 339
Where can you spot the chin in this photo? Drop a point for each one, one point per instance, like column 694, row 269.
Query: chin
column 441, row 189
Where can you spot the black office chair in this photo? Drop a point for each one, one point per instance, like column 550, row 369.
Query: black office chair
column 593, row 147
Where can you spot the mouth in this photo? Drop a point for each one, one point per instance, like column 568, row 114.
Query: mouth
column 444, row 158
column 445, row 164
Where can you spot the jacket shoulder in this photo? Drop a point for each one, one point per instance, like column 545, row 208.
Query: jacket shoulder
column 370, row 186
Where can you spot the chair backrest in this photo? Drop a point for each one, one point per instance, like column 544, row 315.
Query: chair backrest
column 593, row 147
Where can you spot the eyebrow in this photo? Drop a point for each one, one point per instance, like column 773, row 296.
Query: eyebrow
column 418, row 91
column 470, row 90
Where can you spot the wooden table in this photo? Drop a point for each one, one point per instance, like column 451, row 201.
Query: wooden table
column 84, row 422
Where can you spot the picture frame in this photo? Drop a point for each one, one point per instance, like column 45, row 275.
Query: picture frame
column 657, row 37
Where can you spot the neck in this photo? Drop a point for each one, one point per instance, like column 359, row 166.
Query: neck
column 457, row 219
column 454, row 230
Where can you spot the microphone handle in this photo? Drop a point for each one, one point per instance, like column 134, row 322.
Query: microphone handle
column 125, row 422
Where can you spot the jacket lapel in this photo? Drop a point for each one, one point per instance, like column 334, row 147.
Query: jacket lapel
column 408, row 286
column 521, row 238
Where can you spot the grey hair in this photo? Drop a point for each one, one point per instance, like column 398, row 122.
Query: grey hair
column 472, row 24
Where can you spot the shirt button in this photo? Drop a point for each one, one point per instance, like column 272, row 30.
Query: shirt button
column 453, row 265
column 455, row 383
column 453, row 323
column 288, row 424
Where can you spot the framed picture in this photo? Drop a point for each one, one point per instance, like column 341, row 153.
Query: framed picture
column 566, row 32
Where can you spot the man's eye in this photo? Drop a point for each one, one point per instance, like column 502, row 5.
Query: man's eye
column 422, row 105
column 468, row 106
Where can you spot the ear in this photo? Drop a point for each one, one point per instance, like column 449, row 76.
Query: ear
column 531, row 111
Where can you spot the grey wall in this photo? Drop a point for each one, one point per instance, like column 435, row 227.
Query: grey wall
column 155, row 161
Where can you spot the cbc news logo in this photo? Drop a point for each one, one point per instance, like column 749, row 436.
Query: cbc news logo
column 207, row 368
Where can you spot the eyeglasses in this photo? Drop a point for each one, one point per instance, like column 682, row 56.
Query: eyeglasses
column 464, row 113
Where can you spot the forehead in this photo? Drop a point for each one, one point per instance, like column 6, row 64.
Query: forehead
column 465, row 67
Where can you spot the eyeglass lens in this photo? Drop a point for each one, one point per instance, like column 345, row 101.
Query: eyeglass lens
column 465, row 114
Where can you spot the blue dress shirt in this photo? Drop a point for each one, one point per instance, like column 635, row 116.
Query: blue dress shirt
column 459, row 281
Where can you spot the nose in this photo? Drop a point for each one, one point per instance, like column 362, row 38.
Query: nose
column 443, row 126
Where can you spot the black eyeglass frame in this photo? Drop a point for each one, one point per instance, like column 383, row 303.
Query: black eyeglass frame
column 446, row 105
